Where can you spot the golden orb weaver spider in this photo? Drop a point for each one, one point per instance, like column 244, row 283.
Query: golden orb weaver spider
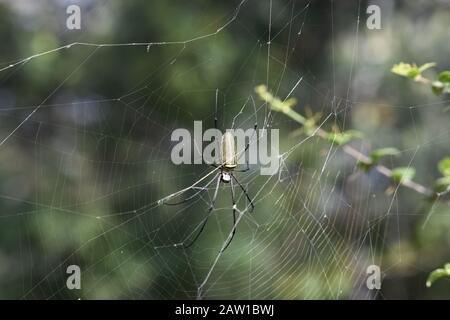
column 228, row 163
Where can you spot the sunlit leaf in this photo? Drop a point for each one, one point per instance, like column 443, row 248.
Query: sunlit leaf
column 442, row 184
column 376, row 155
column 444, row 166
column 426, row 66
column 411, row 70
column 365, row 165
column 442, row 84
column 401, row 174
column 278, row 105
column 437, row 274
column 437, row 87
column 405, row 70
column 444, row 77
column 341, row 138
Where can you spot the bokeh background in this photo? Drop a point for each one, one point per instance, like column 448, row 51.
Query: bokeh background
column 80, row 179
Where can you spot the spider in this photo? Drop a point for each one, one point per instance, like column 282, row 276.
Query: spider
column 226, row 169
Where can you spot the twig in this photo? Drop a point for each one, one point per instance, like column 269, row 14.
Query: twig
column 285, row 107
column 422, row 79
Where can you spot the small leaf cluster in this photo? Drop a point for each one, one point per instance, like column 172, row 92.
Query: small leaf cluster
column 375, row 156
column 402, row 174
column 442, row 84
column 341, row 138
column 443, row 183
column 411, row 70
column 439, row 86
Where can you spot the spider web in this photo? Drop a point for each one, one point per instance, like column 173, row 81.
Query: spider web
column 86, row 174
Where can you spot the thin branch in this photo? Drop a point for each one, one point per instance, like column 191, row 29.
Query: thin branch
column 357, row 155
column 422, row 79
column 277, row 105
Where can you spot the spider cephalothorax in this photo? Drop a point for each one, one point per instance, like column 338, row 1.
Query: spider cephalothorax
column 225, row 176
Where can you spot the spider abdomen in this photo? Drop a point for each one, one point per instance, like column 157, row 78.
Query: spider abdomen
column 228, row 157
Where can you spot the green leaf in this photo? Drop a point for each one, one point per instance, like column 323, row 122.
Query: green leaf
column 274, row 102
column 365, row 165
column 342, row 138
column 444, row 77
column 401, row 174
column 410, row 70
column 310, row 126
column 442, row 84
column 376, row 155
column 437, row 87
column 437, row 274
column 405, row 70
column 278, row 105
column 444, row 166
column 442, row 184
column 426, row 66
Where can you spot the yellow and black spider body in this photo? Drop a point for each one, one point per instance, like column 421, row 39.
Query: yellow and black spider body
column 228, row 158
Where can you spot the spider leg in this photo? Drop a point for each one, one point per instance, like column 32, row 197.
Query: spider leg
column 255, row 126
column 256, row 115
column 215, row 110
column 233, row 199
column 216, row 121
column 245, row 192
column 247, row 167
column 210, row 210
column 193, row 196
